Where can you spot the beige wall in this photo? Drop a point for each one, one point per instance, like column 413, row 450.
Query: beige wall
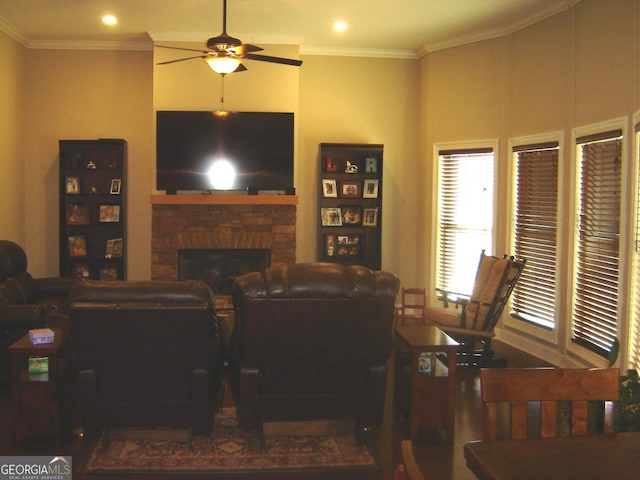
column 363, row 100
column 85, row 95
column 574, row 69
column 12, row 160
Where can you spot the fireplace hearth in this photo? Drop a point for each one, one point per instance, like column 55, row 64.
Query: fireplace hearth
column 218, row 267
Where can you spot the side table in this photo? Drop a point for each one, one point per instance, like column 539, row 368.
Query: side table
column 36, row 397
column 425, row 377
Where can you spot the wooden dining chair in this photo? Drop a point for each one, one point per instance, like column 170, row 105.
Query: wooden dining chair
column 518, row 397
column 411, row 308
column 408, row 469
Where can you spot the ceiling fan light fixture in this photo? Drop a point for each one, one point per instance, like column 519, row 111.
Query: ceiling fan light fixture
column 223, row 64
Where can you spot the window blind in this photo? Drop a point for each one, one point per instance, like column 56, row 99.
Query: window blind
column 535, row 229
column 597, row 272
column 465, row 207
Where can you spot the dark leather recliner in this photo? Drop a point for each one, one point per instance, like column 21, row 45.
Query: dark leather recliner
column 311, row 341
column 27, row 302
column 148, row 355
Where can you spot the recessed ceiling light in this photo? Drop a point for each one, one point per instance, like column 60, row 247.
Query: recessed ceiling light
column 340, row 26
column 109, row 20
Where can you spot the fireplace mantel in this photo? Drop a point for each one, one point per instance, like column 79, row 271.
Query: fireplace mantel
column 223, row 199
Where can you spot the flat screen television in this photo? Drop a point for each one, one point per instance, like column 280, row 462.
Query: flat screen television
column 198, row 150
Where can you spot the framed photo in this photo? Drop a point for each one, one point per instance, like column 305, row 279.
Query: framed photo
column 77, row 213
column 114, row 248
column 80, row 270
column 116, row 183
column 72, row 185
column 330, row 243
column 350, row 189
column 109, row 213
column 370, row 189
column 331, row 217
column 351, row 215
column 370, row 217
column 109, row 273
column 329, row 187
column 348, row 246
column 77, row 246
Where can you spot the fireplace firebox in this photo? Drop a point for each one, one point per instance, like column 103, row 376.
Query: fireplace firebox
column 218, row 267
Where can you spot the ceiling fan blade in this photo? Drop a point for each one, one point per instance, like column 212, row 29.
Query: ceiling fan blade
column 267, row 58
column 248, row 48
column 241, row 68
column 181, row 59
column 185, row 49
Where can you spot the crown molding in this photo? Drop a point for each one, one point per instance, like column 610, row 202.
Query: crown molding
column 496, row 33
column 12, row 31
column 134, row 45
column 359, row 52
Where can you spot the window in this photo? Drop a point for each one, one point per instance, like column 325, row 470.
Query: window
column 535, row 231
column 465, row 208
column 634, row 339
column 595, row 309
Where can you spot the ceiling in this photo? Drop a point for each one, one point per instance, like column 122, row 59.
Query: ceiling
column 376, row 27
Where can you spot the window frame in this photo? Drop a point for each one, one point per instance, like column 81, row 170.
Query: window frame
column 538, row 331
column 624, row 231
column 492, row 144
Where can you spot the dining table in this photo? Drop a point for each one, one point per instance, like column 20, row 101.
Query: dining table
column 593, row 457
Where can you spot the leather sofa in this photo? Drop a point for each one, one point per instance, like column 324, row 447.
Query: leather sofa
column 148, row 355
column 311, row 341
column 27, row 302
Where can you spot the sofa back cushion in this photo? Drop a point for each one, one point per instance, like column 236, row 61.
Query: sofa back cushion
column 312, row 328
column 143, row 339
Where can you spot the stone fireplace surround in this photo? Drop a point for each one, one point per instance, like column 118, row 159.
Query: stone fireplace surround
column 220, row 222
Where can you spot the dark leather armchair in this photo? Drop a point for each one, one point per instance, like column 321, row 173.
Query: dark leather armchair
column 27, row 302
column 311, row 341
column 148, row 355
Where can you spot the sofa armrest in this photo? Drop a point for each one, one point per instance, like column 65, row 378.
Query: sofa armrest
column 54, row 287
column 21, row 316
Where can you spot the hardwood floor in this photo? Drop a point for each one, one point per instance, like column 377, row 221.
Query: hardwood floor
column 439, row 459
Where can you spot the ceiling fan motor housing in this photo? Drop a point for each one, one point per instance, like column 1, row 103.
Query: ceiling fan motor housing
column 223, row 41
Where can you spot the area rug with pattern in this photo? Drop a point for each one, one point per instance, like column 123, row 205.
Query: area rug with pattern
column 231, row 449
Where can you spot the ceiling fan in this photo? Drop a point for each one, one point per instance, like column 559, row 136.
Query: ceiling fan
column 224, row 53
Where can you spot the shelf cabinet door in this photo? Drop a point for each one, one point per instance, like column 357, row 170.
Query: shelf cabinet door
column 350, row 204
column 93, row 212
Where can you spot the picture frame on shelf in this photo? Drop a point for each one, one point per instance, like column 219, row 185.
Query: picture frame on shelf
column 114, row 248
column 329, row 188
column 350, row 189
column 116, row 184
column 370, row 189
column 77, row 213
column 72, row 185
column 351, row 215
column 331, row 217
column 109, row 213
column 109, row 272
column 370, row 217
column 330, row 242
column 77, row 246
column 348, row 246
column 80, row 270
